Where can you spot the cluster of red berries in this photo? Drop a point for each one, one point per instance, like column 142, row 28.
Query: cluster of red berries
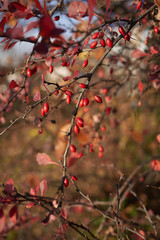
column 45, row 109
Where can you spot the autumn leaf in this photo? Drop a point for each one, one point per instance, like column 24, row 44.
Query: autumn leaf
column 43, row 186
column 13, row 84
column 91, row 5
column 2, row 220
column 13, row 214
column 77, row 10
column 44, row 159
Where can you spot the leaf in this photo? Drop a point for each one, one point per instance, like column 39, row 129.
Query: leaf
column 18, row 6
column 11, row 45
column 37, row 96
column 38, row 5
column 77, row 9
column 138, row 54
column 2, row 24
column 154, row 49
column 2, row 220
column 31, row 25
column 157, row 2
column 45, row 8
column 43, row 186
column 13, row 214
column 44, row 159
column 13, row 84
column 29, row 205
column 86, row 41
column 140, row 86
column 72, row 159
column 9, row 186
column 64, row 213
column 108, row 2
column 91, row 5
column 155, row 164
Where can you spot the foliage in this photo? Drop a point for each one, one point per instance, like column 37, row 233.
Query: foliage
column 80, row 120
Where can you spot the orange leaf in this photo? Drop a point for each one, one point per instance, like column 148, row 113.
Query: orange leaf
column 155, row 164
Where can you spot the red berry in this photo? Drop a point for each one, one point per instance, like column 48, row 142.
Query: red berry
column 108, row 110
column 103, row 44
column 85, row 102
column 82, row 85
column 67, row 65
column 40, row 131
column 127, row 37
column 72, row 148
column 66, row 182
column 103, row 128
column 50, row 68
column 76, row 129
column 104, row 90
column 64, row 64
column 74, row 178
column 98, row 99
column 67, row 92
column 93, row 44
column 80, row 122
column 109, row 42
column 56, row 92
column 121, row 30
column 80, row 155
column 91, row 150
column 156, row 30
column 100, row 154
column 81, row 104
column 85, row 63
column 56, row 18
column 95, row 35
column 30, row 72
column 101, row 149
column 46, row 107
column 139, row 5
column 42, row 112
column 68, row 99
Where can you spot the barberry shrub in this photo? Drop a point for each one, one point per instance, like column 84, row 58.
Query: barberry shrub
column 79, row 92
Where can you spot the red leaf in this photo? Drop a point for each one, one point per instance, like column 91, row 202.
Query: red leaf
column 45, row 8
column 85, row 41
column 18, row 6
column 140, row 86
column 13, row 214
column 46, row 26
column 64, row 213
column 91, row 5
column 11, row 45
column 2, row 220
column 37, row 96
column 77, row 9
column 29, row 205
column 138, row 54
column 44, row 159
column 9, row 186
column 72, row 159
column 2, row 24
column 154, row 49
column 38, row 5
column 108, row 2
column 13, row 84
column 43, row 186
column 155, row 164
column 31, row 25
